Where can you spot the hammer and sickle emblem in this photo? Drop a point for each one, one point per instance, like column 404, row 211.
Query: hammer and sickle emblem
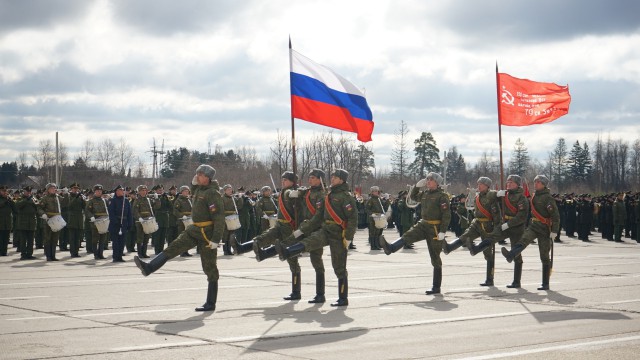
column 507, row 98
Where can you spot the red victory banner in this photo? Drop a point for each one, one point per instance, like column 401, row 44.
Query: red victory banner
column 524, row 102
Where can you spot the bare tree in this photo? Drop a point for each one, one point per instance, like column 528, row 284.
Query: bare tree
column 106, row 155
column 400, row 153
column 124, row 157
column 87, row 152
column 44, row 157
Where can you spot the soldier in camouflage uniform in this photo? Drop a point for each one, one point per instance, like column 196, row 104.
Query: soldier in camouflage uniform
column 182, row 208
column 232, row 204
column 545, row 220
column 435, row 220
column 75, row 204
column 264, row 244
column 265, row 207
column 334, row 224
column 96, row 208
column 374, row 207
column 143, row 208
column 48, row 207
column 26, row 223
column 6, row 219
column 205, row 232
column 486, row 218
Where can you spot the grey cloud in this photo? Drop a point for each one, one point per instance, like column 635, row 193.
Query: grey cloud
column 39, row 13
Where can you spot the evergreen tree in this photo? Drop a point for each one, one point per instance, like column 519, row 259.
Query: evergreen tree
column 520, row 159
column 558, row 163
column 427, row 156
column 456, row 167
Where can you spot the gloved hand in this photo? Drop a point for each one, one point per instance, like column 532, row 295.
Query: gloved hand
column 44, row 217
column 65, row 191
column 265, row 216
column 421, row 183
column 294, row 193
column 92, row 219
column 140, row 219
column 184, row 217
column 441, row 236
column 501, row 193
column 194, row 181
column 297, row 233
column 504, row 226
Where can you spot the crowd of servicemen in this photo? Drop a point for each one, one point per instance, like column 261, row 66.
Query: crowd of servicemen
column 307, row 218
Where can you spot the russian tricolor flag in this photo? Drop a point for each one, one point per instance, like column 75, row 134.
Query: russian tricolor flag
column 321, row 96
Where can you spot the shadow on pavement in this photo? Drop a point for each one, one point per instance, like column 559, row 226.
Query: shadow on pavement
column 433, row 304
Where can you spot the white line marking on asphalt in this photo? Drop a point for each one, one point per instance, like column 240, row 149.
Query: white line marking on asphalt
column 98, row 280
column 159, row 346
column 200, row 288
column 99, row 314
column 622, row 302
column 463, row 318
column 552, row 348
column 25, row 297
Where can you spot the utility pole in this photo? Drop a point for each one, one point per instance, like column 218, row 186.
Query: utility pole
column 154, row 154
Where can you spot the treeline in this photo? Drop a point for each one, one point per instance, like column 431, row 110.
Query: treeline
column 607, row 165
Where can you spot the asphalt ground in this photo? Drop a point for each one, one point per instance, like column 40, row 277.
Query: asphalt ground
column 83, row 308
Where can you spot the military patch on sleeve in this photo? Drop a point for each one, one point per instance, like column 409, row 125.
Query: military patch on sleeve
column 318, row 204
column 213, row 208
column 444, row 206
column 549, row 207
column 348, row 207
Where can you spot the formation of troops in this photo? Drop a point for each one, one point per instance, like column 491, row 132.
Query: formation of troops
column 305, row 219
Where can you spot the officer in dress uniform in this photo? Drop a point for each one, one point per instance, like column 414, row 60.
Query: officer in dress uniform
column 182, row 208
column 334, row 224
column 435, row 220
column 205, row 232
column 26, row 223
column 97, row 208
column 619, row 217
column 6, row 219
column 75, row 204
column 544, row 222
column 49, row 207
column 374, row 207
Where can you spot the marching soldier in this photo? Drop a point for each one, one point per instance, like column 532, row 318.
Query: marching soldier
column 231, row 206
column 26, row 223
column 6, row 219
column 486, row 219
column 337, row 219
column 182, row 208
column 94, row 209
column 435, row 220
column 143, row 208
column 265, row 207
column 49, row 207
column 374, row 207
column 205, row 232
column 120, row 221
column 264, row 244
column 75, row 204
column 619, row 217
column 545, row 220
column 516, row 210
column 162, row 207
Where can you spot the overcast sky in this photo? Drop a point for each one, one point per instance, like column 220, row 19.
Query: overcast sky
column 198, row 72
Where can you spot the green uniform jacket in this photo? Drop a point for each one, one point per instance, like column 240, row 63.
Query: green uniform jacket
column 312, row 199
column 182, row 207
column 374, row 205
column 344, row 205
column 489, row 201
column 144, row 207
column 26, row 211
column 96, row 207
column 619, row 213
column 406, row 215
column 162, row 207
column 228, row 201
column 6, row 213
column 463, row 214
column 265, row 205
column 208, row 206
column 521, row 205
column 545, row 205
column 434, row 206
column 50, row 205
column 173, row 220
column 74, row 204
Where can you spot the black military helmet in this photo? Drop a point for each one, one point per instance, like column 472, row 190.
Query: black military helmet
column 289, row 175
column 341, row 174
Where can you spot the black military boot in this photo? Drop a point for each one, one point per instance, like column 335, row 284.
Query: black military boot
column 393, row 247
column 375, row 242
column 515, row 250
column 212, row 297
column 517, row 275
column 286, row 253
column 295, row 288
column 437, row 281
column 319, row 298
column 151, row 266
column 52, row 252
column 239, row 248
column 484, row 244
column 489, row 280
column 447, row 248
column 226, row 248
column 265, row 253
column 351, row 246
column 343, row 292
column 47, row 252
column 144, row 251
column 545, row 277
